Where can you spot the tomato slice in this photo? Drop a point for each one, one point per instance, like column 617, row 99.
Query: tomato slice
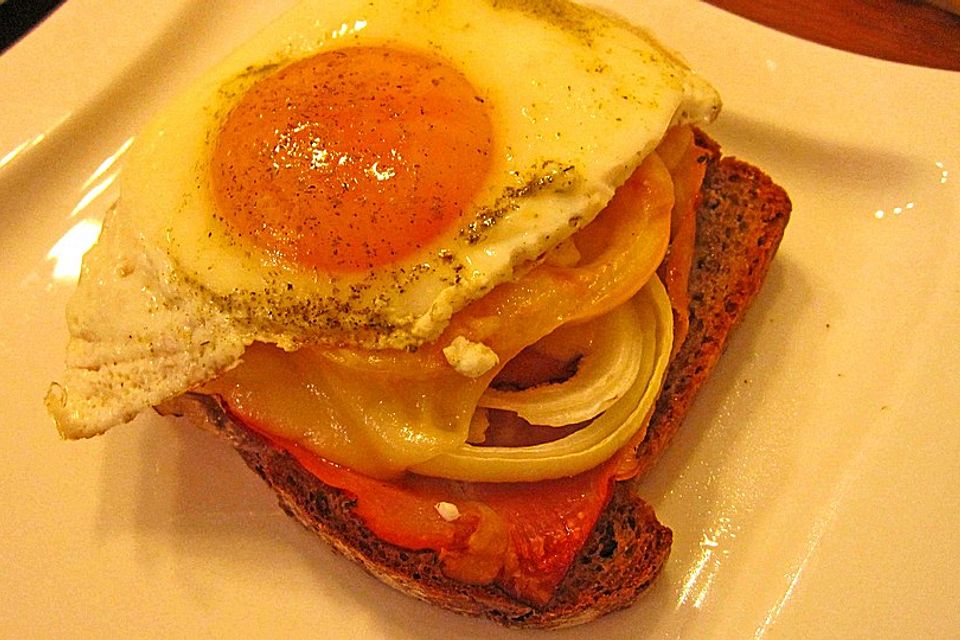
column 549, row 522
column 522, row 536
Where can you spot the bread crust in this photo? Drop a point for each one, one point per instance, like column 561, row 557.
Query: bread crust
column 740, row 219
column 740, row 222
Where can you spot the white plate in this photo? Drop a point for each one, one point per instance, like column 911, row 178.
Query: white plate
column 813, row 491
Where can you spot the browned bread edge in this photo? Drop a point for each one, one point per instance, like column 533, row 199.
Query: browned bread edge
column 741, row 220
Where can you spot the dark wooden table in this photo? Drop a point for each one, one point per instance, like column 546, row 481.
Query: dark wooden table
column 17, row 17
column 909, row 31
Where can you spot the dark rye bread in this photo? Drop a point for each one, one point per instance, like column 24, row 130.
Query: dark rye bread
column 741, row 220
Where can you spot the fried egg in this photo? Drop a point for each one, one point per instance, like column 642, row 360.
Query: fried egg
column 354, row 175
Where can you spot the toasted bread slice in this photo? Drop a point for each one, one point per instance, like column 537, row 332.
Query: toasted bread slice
column 740, row 220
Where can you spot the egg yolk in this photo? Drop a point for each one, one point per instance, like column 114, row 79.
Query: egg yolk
column 352, row 158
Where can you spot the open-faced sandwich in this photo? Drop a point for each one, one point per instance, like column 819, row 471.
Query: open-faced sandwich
column 447, row 274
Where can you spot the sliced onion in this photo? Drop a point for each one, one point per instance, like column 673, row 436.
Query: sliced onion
column 596, row 442
column 604, row 375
